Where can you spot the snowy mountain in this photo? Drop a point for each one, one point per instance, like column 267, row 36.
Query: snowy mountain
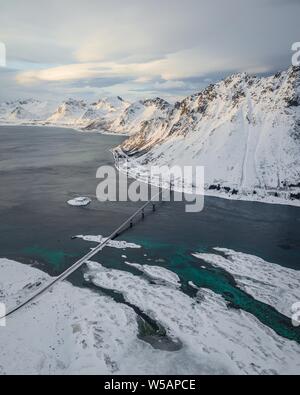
column 81, row 114
column 111, row 104
column 244, row 130
column 68, row 112
column 133, row 117
column 113, row 114
column 25, row 111
column 71, row 113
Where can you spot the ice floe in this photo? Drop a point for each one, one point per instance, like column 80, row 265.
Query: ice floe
column 267, row 282
column 79, row 202
column 76, row 330
column 230, row 340
column 121, row 245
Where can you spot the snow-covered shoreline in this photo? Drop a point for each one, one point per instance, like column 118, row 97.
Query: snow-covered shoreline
column 70, row 331
column 134, row 170
column 254, row 198
column 141, row 169
column 244, row 131
column 40, row 124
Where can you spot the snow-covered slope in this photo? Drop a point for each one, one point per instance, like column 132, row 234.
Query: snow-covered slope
column 68, row 112
column 94, row 116
column 111, row 104
column 245, row 131
column 99, row 115
column 133, row 117
column 140, row 113
column 20, row 111
column 71, row 113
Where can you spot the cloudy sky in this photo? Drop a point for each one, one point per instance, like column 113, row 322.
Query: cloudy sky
column 139, row 48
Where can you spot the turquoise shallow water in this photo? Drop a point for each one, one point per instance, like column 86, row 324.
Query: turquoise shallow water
column 179, row 260
column 40, row 169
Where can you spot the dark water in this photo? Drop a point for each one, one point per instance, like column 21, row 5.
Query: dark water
column 42, row 168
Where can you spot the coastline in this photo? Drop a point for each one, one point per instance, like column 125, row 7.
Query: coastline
column 117, row 152
column 41, row 124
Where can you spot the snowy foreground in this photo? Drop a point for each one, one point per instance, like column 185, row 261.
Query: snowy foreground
column 75, row 330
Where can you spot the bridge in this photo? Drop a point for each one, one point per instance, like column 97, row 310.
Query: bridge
column 63, row 276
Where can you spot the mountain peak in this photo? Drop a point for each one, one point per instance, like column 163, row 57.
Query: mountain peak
column 157, row 102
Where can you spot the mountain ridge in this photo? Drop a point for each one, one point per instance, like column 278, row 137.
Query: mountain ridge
column 245, row 131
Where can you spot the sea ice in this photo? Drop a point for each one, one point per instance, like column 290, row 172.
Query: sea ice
column 268, row 282
column 121, row 245
column 76, row 331
column 230, row 340
column 157, row 272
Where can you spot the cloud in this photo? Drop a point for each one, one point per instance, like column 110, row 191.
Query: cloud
column 158, row 46
column 171, row 67
column 169, row 85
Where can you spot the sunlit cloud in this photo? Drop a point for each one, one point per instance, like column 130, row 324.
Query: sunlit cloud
column 172, row 67
column 150, row 47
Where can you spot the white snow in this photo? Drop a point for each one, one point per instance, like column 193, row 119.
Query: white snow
column 229, row 340
column 157, row 272
column 138, row 114
column 193, row 285
column 243, row 130
column 272, row 284
column 89, row 116
column 111, row 115
column 25, row 111
column 77, row 331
